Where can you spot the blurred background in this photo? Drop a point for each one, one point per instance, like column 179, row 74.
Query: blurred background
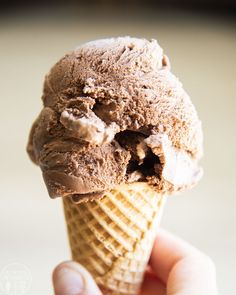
column 199, row 38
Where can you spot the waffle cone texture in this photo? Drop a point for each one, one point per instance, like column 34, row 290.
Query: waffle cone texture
column 113, row 236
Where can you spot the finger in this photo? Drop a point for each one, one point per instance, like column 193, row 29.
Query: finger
column 184, row 269
column 70, row 278
column 152, row 286
column 167, row 251
column 193, row 275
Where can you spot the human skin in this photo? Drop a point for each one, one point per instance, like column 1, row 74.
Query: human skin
column 175, row 268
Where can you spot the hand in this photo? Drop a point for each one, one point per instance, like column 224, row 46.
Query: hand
column 175, row 268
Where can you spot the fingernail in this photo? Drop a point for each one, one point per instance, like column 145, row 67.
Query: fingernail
column 68, row 282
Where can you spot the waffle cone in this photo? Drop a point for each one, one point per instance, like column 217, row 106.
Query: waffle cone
column 113, row 237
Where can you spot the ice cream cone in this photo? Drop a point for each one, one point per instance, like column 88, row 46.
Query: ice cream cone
column 113, row 237
column 114, row 113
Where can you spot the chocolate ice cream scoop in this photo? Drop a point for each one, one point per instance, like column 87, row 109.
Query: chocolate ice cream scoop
column 114, row 113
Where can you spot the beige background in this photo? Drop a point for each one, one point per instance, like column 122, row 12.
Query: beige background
column 202, row 51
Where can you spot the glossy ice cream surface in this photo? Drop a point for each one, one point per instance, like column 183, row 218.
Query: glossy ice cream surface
column 114, row 113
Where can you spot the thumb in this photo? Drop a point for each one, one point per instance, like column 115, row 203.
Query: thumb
column 71, row 278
